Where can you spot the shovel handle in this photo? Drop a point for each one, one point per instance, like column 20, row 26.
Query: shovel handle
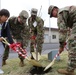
column 5, row 41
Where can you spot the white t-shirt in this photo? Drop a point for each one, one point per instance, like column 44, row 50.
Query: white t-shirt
column 0, row 28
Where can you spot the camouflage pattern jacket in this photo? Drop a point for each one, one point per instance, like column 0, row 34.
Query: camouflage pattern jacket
column 19, row 31
column 37, row 30
column 66, row 18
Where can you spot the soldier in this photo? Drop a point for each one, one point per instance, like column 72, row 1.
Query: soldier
column 19, row 30
column 66, row 17
column 36, row 24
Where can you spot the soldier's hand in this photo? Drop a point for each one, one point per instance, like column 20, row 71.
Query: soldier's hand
column 61, row 49
column 13, row 46
column 62, row 45
column 1, row 39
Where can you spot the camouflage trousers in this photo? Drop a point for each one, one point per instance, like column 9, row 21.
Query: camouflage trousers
column 35, row 45
column 21, row 41
column 71, row 53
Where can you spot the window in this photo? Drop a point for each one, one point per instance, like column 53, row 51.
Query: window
column 46, row 36
column 53, row 36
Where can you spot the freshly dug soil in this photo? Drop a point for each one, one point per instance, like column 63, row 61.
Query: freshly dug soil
column 39, row 70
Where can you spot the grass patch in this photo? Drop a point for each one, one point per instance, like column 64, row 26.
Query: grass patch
column 12, row 67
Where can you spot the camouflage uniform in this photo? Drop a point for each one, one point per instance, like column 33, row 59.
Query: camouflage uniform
column 19, row 30
column 66, row 17
column 37, row 31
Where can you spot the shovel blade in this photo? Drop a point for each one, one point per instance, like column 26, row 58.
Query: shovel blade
column 34, row 62
column 34, row 55
column 48, row 66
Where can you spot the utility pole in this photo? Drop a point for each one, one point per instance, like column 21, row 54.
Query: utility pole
column 49, row 27
column 40, row 10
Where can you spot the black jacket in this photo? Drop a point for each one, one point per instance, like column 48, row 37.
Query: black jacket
column 5, row 32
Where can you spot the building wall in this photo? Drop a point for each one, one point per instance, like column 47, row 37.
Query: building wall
column 52, row 36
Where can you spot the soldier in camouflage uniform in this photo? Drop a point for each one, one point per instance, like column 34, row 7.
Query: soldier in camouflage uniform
column 66, row 17
column 36, row 24
column 19, row 30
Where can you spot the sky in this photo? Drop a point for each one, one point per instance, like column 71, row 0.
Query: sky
column 16, row 6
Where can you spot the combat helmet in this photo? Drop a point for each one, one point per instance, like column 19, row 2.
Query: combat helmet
column 24, row 14
column 50, row 9
column 34, row 11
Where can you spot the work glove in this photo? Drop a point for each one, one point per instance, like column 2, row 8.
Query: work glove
column 14, row 46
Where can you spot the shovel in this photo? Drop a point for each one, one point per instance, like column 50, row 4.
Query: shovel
column 36, row 57
column 47, row 67
column 35, row 54
column 33, row 62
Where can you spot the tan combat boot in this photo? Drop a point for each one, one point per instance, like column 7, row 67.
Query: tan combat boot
column 4, row 62
column 66, row 72
column 21, row 63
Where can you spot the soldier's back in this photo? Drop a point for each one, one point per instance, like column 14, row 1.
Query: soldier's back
column 15, row 27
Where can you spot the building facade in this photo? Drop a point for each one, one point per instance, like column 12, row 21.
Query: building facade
column 51, row 35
